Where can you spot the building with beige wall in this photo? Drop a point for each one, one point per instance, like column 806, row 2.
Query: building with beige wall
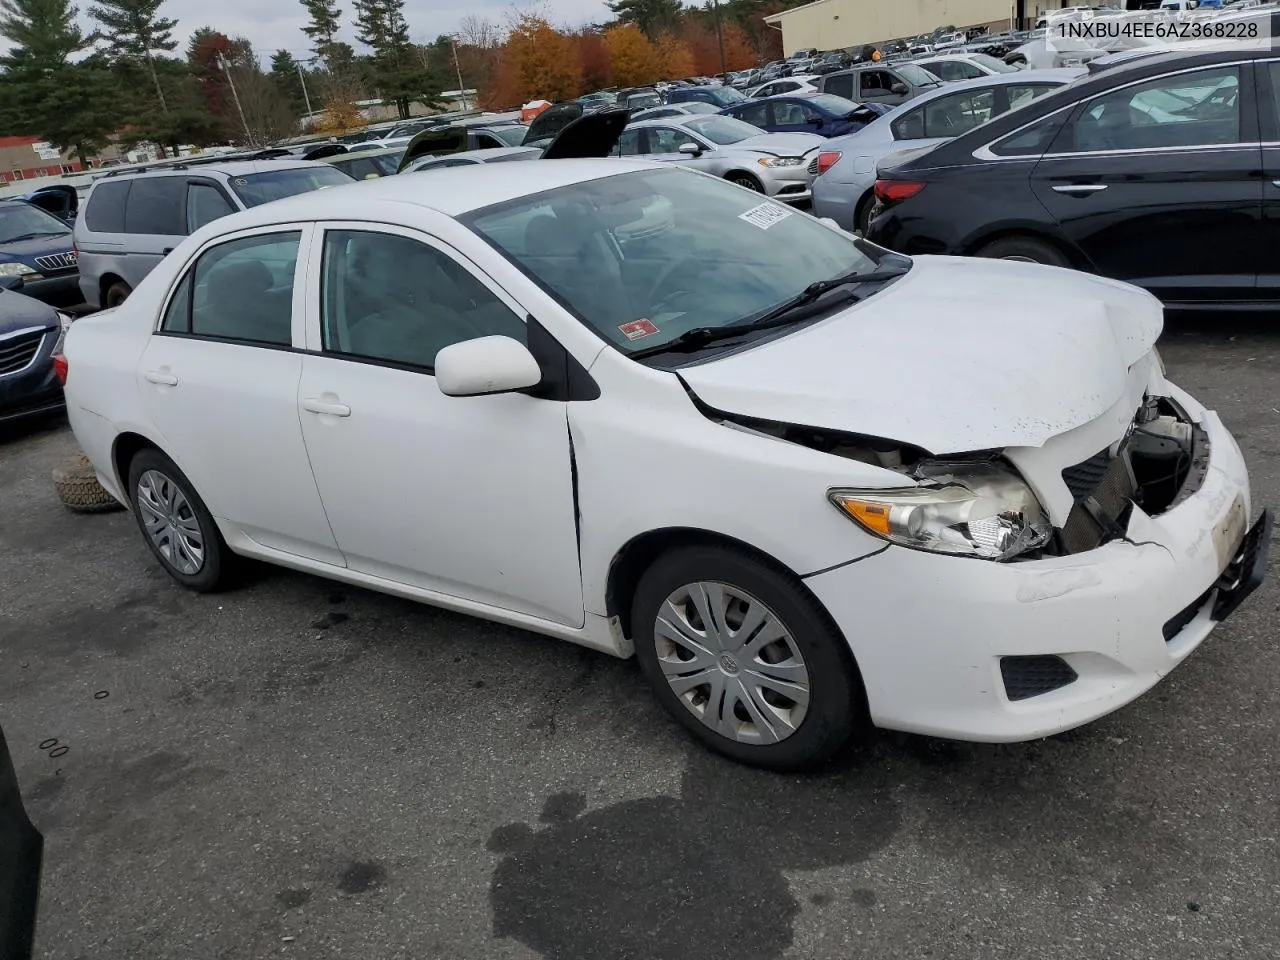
column 837, row 24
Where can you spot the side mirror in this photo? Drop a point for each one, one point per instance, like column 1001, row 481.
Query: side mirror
column 11, row 283
column 899, row 88
column 486, row 365
column 690, row 149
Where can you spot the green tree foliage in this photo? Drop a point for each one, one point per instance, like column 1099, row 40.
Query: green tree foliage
column 287, row 77
column 394, row 69
column 135, row 31
column 653, row 17
column 324, row 22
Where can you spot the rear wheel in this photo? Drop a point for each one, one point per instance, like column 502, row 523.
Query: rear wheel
column 745, row 180
column 1025, row 250
column 117, row 293
column 741, row 655
column 176, row 524
column 862, row 215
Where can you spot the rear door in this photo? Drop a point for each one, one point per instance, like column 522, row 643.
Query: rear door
column 793, row 116
column 1157, row 182
column 876, row 86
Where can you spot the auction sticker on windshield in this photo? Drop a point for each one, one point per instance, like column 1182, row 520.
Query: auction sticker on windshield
column 765, row 215
column 638, row 329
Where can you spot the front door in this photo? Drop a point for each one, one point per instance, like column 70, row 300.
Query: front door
column 1268, row 76
column 470, row 497
column 220, row 381
column 1158, row 183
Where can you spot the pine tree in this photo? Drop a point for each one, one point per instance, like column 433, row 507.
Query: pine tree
column 397, row 73
column 653, row 17
column 323, row 29
column 286, row 74
column 136, row 31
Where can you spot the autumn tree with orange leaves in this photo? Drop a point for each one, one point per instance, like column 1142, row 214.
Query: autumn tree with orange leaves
column 674, row 57
column 538, row 61
column 597, row 71
column 635, row 60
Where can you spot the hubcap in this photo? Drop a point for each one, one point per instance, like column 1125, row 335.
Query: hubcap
column 170, row 522
column 732, row 663
column 1021, row 259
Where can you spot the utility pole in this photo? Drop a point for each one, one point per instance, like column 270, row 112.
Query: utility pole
column 302, row 78
column 453, row 42
column 715, row 6
column 222, row 61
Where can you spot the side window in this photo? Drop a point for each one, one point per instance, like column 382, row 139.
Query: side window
column 1020, row 94
column 841, row 85
column 667, row 139
column 486, row 141
column 157, row 205
column 756, row 113
column 629, row 143
column 205, row 204
column 874, row 82
column 957, row 70
column 386, row 297
column 243, row 290
column 952, row 116
column 909, row 126
column 788, row 114
column 107, row 200
column 177, row 319
column 1195, row 109
column 1031, row 141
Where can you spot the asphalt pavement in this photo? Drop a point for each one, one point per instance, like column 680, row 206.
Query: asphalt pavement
column 302, row 768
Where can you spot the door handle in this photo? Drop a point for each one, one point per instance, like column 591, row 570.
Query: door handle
column 326, row 407
column 161, row 378
column 1080, row 188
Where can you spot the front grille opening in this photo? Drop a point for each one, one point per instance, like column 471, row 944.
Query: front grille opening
column 1027, row 677
column 1181, row 620
column 16, row 353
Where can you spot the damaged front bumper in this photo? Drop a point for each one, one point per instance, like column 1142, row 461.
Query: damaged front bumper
column 977, row 650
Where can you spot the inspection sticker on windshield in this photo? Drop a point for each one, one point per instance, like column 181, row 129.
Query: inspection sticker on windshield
column 638, row 329
column 765, row 215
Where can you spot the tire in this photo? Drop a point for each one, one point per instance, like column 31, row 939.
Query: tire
column 862, row 213
column 795, row 735
column 76, row 483
column 164, row 480
column 117, row 294
column 1025, row 249
column 746, row 181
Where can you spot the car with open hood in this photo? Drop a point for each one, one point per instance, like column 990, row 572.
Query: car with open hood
column 640, row 409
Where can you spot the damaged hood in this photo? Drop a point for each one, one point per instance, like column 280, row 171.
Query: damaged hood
column 958, row 355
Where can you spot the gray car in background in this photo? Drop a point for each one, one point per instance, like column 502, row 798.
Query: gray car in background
column 776, row 164
column 844, row 190
column 133, row 218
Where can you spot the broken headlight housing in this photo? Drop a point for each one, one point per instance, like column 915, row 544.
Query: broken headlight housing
column 972, row 510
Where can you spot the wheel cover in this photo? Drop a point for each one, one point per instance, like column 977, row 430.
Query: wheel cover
column 1021, row 259
column 744, row 181
column 732, row 662
column 170, row 522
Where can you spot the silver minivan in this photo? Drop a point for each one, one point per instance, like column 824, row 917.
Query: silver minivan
column 133, row 217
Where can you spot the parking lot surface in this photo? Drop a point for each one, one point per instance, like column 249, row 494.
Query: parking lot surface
column 298, row 767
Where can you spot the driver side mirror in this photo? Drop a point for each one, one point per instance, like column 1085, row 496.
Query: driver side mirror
column 475, row 368
column 899, row 88
column 11, row 283
column 690, row 149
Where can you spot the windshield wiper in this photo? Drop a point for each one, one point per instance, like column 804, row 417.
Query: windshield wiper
column 781, row 315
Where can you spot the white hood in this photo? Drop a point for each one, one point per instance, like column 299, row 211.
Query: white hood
column 780, row 144
column 959, row 355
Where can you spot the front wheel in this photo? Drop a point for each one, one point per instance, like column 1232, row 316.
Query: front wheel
column 176, row 524
column 745, row 181
column 740, row 654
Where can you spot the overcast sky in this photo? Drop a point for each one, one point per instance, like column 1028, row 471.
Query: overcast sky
column 277, row 24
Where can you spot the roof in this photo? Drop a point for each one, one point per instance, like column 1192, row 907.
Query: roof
column 453, row 191
column 232, row 168
column 483, row 155
column 777, row 17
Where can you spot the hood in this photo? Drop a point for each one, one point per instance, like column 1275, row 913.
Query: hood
column 434, row 141
column 20, row 312
column 939, row 361
column 780, row 144
column 25, row 251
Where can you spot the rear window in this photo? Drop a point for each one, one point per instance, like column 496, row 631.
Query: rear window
column 107, row 200
column 258, row 188
column 157, row 205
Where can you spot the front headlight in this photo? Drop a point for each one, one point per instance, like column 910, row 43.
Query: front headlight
column 15, row 270
column 780, row 161
column 64, row 322
column 974, row 510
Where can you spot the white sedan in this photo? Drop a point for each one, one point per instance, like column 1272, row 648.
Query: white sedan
column 814, row 486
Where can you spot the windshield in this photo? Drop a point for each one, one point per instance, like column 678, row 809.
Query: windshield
column 833, row 104
column 724, row 95
column 256, row 188
column 19, row 221
column 512, row 135
column 916, row 75
column 994, row 64
column 642, row 257
column 723, row 130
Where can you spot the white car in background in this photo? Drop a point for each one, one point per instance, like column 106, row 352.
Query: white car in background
column 775, row 88
column 844, row 187
column 645, row 411
column 965, row 66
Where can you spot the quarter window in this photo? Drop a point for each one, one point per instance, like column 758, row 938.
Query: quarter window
column 1196, row 109
column 240, row 290
column 754, row 113
column 954, row 70
column 1031, row 141
column 392, row 298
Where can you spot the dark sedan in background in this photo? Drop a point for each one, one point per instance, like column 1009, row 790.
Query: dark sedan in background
column 35, row 247
column 31, row 333
column 822, row 113
column 1163, row 172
